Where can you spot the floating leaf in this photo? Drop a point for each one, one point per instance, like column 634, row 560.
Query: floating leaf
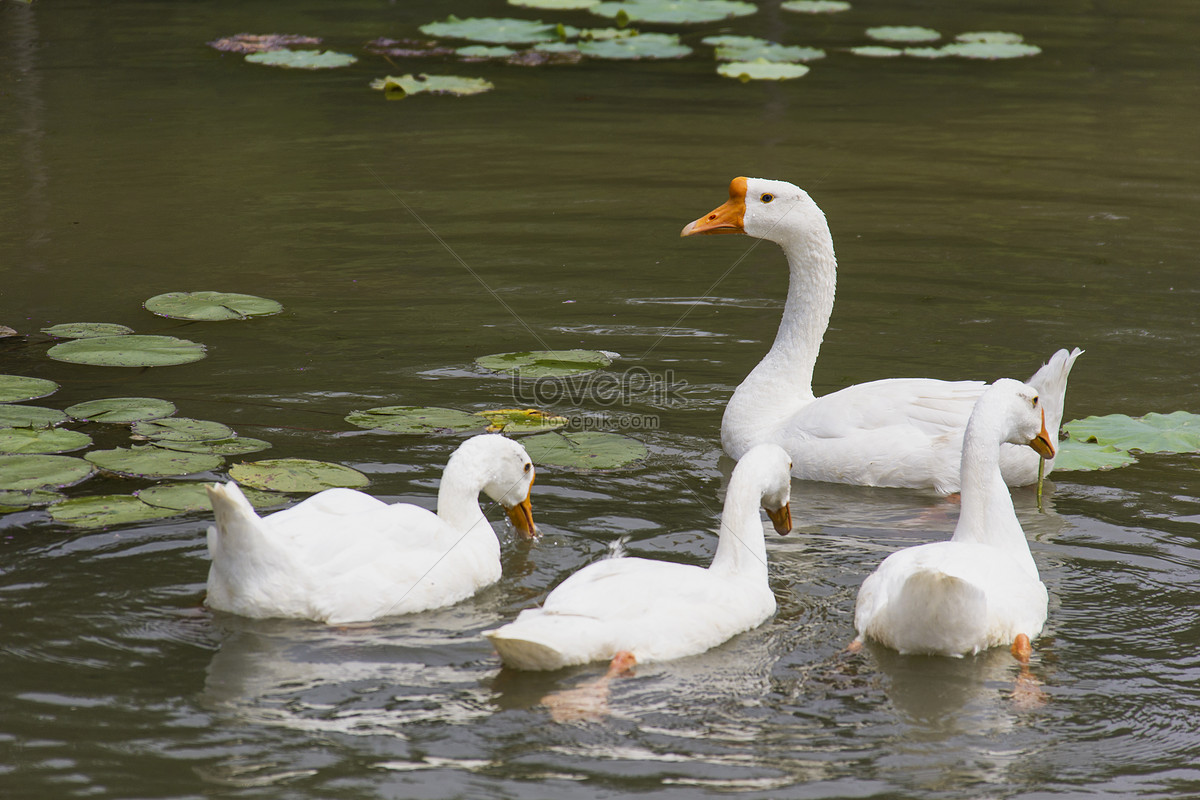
column 148, row 461
column 1076, row 456
column 15, row 388
column 493, row 30
column 128, row 351
column 1177, row 432
column 990, row 37
column 480, row 51
column 296, row 475
column 546, row 363
column 400, row 87
column 30, row 417
column 521, row 420
column 586, row 450
column 928, row 52
column 815, row 6
column 647, row 45
column 86, row 330
column 18, row 501
column 407, row 48
column 876, row 51
column 604, row 34
column 193, row 496
column 749, row 48
column 103, row 510
column 121, row 410
column 555, row 5
column 302, row 59
column 761, row 70
column 211, row 306
column 674, row 11
column 414, row 419
column 22, row 473
column 41, row 440
column 260, row 43
column 992, row 50
column 182, row 429
column 903, row 33
column 235, row 446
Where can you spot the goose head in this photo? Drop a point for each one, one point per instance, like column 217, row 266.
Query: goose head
column 770, row 467
column 773, row 210
column 1018, row 407
column 500, row 468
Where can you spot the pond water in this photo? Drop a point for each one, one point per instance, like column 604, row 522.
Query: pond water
column 985, row 215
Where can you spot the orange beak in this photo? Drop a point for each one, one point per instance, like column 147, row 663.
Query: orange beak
column 781, row 518
column 725, row 219
column 521, row 517
column 1042, row 444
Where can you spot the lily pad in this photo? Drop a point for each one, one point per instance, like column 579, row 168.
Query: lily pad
column 990, row 37
column 258, row 43
column 761, row 70
column 521, row 420
column 41, row 440
column 182, row 429
column 647, row 45
column 1177, row 432
column 86, row 330
column 903, row 33
column 675, row 12
column 30, row 417
column 1076, row 456
column 128, row 351
column 991, row 51
column 211, row 306
column 15, row 388
column 493, row 30
column 148, row 461
column 815, row 6
column 555, row 5
column 584, row 450
column 23, row 473
column 481, row 51
column 750, row 48
column 396, row 88
column 876, row 51
column 296, row 475
column 546, row 363
column 121, row 410
column 928, row 52
column 104, row 510
column 18, row 501
column 193, row 496
column 415, row 419
column 302, row 59
column 234, row 446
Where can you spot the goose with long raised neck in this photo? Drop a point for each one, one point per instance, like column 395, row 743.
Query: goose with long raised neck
column 895, row 432
column 980, row 589
column 344, row 556
column 636, row 610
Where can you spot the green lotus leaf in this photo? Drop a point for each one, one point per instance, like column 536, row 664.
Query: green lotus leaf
column 493, row 30
column 18, row 501
column 1177, row 432
column 86, row 330
column 761, row 70
column 604, row 34
column 148, row 461
column 41, row 440
column 928, row 52
column 211, row 306
column 767, row 51
column 521, row 420
column 121, row 410
column 991, row 51
column 483, row 51
column 296, row 475
column 30, row 417
column 15, row 388
column 128, row 351
column 903, row 33
column 182, row 429
column 990, row 37
column 193, row 496
column 876, row 51
column 233, row 446
column 555, row 5
column 646, row 45
column 24, row 473
column 584, row 450
column 815, row 6
column 674, row 12
column 400, row 87
column 546, row 363
column 105, row 510
column 1076, row 456
column 415, row 419
column 302, row 59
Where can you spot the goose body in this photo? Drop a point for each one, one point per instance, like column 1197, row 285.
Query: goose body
column 344, row 556
column 660, row 610
column 896, row 432
column 981, row 588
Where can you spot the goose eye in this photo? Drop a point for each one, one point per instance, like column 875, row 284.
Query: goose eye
column 1035, row 401
column 766, row 198
column 528, row 466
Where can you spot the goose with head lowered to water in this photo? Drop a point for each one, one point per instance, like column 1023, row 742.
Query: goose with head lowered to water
column 894, row 432
column 344, row 556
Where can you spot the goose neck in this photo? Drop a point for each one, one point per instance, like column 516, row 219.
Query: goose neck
column 741, row 546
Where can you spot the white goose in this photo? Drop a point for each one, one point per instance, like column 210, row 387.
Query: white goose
column 896, row 432
column 981, row 588
column 344, row 556
column 635, row 610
